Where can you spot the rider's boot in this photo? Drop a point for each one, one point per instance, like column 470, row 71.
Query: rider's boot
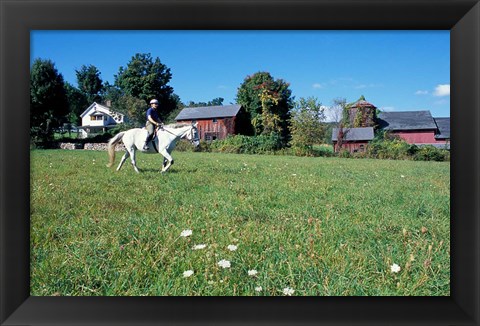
column 145, row 147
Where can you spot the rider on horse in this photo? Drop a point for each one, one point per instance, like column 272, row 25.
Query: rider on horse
column 152, row 121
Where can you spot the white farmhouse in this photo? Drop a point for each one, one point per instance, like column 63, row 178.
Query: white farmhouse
column 98, row 118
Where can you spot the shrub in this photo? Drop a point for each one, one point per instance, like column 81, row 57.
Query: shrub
column 344, row 153
column 396, row 149
column 431, row 153
column 241, row 144
column 184, row 145
column 314, row 151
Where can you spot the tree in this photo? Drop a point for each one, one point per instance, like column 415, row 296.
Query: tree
column 77, row 103
column 268, row 103
column 215, row 102
column 337, row 110
column 145, row 78
column 48, row 100
column 307, row 127
column 133, row 107
column 90, row 83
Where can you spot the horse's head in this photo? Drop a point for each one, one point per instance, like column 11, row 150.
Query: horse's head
column 192, row 135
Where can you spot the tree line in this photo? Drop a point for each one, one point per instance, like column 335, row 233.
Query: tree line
column 268, row 102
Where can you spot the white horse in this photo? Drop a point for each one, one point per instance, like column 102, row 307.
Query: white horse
column 164, row 143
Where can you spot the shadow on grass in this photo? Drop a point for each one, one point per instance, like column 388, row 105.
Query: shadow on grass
column 171, row 171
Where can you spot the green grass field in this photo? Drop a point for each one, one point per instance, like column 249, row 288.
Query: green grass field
column 319, row 226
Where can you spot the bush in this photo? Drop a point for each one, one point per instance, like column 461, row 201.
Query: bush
column 396, row 149
column 314, row 151
column 431, row 153
column 344, row 153
column 241, row 144
column 184, row 145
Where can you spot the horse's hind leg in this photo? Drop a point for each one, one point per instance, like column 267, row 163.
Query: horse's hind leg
column 125, row 156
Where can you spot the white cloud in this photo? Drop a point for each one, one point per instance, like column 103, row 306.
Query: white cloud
column 332, row 114
column 420, row 92
column 317, row 85
column 442, row 90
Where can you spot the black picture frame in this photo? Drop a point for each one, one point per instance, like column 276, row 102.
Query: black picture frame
column 18, row 18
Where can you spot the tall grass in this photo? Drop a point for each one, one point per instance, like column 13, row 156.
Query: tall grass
column 321, row 226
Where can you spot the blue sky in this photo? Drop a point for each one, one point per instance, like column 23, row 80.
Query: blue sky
column 394, row 70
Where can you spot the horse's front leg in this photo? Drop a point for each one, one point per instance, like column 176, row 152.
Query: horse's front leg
column 167, row 160
column 134, row 162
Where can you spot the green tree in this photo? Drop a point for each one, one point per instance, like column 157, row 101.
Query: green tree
column 215, row 102
column 133, row 107
column 90, row 83
column 145, row 78
column 77, row 103
column 307, row 127
column 268, row 102
column 48, row 100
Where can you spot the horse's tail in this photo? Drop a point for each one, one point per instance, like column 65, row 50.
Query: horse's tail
column 111, row 147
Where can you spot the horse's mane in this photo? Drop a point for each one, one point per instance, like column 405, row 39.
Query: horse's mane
column 177, row 125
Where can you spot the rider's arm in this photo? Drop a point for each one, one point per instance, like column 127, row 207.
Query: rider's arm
column 155, row 123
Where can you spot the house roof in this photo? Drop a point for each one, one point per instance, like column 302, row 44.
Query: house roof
column 443, row 128
column 354, row 134
column 205, row 112
column 98, row 109
column 406, row 120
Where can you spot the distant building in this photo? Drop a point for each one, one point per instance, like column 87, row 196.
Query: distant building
column 361, row 113
column 353, row 139
column 97, row 118
column 214, row 122
column 416, row 127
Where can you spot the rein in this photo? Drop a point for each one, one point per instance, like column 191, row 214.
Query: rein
column 171, row 133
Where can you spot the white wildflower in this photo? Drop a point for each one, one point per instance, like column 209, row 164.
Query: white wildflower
column 252, row 272
column 186, row 233
column 258, row 289
column 224, row 263
column 402, row 176
column 395, row 268
column 288, row 291
column 199, row 247
column 232, row 247
column 188, row 273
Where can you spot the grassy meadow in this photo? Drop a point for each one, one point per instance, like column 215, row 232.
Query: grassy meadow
column 317, row 226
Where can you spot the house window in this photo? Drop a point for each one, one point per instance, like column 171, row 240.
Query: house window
column 362, row 148
column 98, row 118
column 214, row 120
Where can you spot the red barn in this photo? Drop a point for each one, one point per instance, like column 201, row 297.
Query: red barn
column 353, row 139
column 416, row 127
column 214, row 122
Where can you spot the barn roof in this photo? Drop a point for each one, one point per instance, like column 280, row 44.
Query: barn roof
column 443, row 128
column 354, row 134
column 206, row 112
column 406, row 120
